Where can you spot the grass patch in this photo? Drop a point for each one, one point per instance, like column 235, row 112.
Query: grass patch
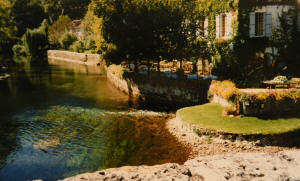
column 210, row 116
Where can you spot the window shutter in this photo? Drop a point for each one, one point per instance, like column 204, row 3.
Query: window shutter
column 298, row 23
column 228, row 25
column 252, row 25
column 268, row 24
column 206, row 27
column 218, row 26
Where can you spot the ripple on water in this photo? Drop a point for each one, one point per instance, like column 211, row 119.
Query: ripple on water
column 63, row 141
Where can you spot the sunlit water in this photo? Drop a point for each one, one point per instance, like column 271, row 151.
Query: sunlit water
column 57, row 121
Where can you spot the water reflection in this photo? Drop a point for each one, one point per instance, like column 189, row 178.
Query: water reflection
column 56, row 122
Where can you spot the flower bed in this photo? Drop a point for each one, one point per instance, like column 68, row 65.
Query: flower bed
column 257, row 102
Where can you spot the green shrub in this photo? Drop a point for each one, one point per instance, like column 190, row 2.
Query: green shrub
column 78, row 46
column 66, row 40
column 225, row 89
column 19, row 50
column 57, row 29
column 36, row 40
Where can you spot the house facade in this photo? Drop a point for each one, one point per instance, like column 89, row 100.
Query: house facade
column 248, row 32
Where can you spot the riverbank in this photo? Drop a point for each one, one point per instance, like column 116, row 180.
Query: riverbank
column 212, row 158
column 80, row 58
column 242, row 166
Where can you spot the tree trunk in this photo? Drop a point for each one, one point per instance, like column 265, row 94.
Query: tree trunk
column 158, row 66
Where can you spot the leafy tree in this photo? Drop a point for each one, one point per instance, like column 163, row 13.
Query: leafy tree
column 146, row 30
column 36, row 40
column 27, row 14
column 75, row 9
column 57, row 29
column 66, row 40
column 7, row 26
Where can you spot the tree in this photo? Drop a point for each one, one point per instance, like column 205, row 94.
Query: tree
column 57, row 29
column 75, row 9
column 7, row 26
column 146, row 30
column 36, row 41
column 27, row 14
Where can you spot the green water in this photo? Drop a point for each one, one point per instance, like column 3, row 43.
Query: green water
column 58, row 120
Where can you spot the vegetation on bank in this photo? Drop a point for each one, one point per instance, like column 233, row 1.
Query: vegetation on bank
column 210, row 116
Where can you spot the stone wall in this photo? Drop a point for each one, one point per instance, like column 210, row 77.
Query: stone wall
column 81, row 58
column 158, row 93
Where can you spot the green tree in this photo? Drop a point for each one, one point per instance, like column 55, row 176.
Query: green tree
column 27, row 14
column 57, row 29
column 36, row 41
column 75, row 9
column 7, row 26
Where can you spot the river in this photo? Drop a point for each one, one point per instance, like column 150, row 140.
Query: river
column 61, row 119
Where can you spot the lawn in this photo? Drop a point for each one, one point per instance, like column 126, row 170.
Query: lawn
column 210, row 116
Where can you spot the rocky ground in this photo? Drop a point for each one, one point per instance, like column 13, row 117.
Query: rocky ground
column 242, row 166
column 213, row 158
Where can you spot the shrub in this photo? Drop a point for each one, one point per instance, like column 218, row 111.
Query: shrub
column 225, row 89
column 116, row 70
column 66, row 40
column 36, row 40
column 19, row 50
column 230, row 110
column 78, row 46
column 57, row 29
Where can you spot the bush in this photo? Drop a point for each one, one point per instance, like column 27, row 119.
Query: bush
column 78, row 46
column 225, row 89
column 57, row 29
column 36, row 40
column 66, row 40
column 19, row 50
column 116, row 70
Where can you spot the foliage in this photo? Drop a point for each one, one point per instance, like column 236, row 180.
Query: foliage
column 7, row 26
column 27, row 14
column 225, row 89
column 57, row 29
column 78, row 46
column 75, row 9
column 116, row 70
column 36, row 40
column 145, row 30
column 210, row 116
column 280, row 79
column 19, row 50
column 66, row 40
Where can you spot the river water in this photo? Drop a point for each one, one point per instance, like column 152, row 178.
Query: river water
column 61, row 119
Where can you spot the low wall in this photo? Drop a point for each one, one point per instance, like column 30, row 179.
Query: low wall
column 261, row 101
column 81, row 58
column 159, row 93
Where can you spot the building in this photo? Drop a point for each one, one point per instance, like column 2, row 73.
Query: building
column 75, row 28
column 246, row 30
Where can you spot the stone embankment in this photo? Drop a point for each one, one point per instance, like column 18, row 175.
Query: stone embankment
column 164, row 92
column 242, row 166
column 80, row 58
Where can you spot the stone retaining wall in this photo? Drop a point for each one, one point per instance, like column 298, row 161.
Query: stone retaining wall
column 158, row 94
column 81, row 58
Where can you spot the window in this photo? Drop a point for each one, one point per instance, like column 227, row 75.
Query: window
column 223, row 25
column 259, row 24
column 202, row 26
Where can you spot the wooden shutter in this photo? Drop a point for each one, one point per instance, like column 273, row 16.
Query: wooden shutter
column 268, row 24
column 298, row 22
column 218, row 26
column 229, row 25
column 252, row 25
column 206, row 27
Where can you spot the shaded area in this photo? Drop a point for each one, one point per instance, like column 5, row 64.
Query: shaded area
column 168, row 90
